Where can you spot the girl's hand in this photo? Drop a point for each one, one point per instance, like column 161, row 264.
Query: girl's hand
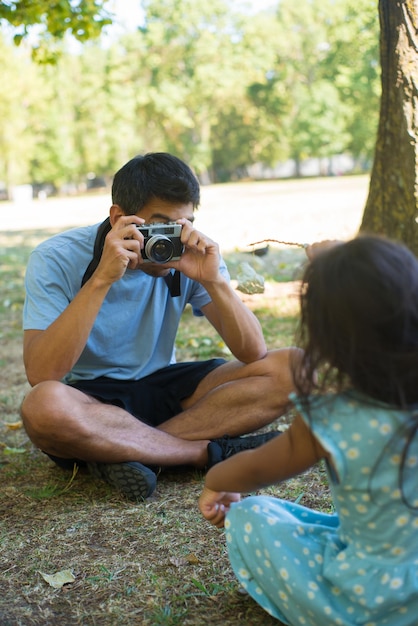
column 314, row 249
column 215, row 505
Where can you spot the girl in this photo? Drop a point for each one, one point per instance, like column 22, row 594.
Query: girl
column 359, row 333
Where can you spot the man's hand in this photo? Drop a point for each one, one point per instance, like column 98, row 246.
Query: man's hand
column 215, row 505
column 314, row 249
column 122, row 249
column 200, row 259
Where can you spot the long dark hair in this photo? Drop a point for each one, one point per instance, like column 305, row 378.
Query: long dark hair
column 359, row 330
column 359, row 321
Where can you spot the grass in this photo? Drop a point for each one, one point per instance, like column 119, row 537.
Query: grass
column 156, row 563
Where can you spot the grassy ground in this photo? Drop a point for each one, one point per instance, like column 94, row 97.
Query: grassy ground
column 154, row 563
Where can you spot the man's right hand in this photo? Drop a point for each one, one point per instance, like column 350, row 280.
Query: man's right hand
column 122, row 249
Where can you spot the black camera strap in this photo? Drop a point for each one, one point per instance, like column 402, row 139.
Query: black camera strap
column 172, row 280
column 102, row 231
column 173, row 283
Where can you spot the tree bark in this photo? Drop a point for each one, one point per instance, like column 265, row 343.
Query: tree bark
column 391, row 207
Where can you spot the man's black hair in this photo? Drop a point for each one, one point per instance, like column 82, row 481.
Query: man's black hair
column 154, row 175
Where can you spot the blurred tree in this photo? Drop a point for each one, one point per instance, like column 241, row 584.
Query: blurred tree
column 17, row 103
column 391, row 206
column 190, row 70
column 85, row 119
column 250, row 127
column 321, row 51
column 84, row 19
column 317, row 125
column 352, row 66
column 222, row 90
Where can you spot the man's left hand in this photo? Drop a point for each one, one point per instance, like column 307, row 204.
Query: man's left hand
column 200, row 258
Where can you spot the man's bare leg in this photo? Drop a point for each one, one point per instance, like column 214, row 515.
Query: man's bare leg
column 67, row 423
column 236, row 398
column 233, row 399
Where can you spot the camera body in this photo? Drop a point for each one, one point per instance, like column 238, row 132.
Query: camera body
column 162, row 242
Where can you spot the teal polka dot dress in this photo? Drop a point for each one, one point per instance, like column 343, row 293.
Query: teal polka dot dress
column 357, row 566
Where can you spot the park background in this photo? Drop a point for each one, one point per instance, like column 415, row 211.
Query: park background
column 238, row 94
column 276, row 108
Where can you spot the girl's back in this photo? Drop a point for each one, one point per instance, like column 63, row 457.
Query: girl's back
column 366, row 446
column 370, row 560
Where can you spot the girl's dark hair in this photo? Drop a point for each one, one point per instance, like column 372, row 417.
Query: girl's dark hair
column 359, row 330
column 359, row 321
column 154, row 175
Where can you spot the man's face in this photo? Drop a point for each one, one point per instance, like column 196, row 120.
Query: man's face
column 159, row 211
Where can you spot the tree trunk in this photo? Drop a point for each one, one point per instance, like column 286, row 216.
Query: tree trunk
column 391, row 207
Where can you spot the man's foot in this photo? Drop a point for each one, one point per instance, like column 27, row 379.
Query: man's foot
column 223, row 448
column 133, row 479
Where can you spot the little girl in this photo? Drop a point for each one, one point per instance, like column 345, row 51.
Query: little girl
column 359, row 334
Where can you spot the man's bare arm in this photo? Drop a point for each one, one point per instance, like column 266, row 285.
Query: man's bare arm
column 50, row 354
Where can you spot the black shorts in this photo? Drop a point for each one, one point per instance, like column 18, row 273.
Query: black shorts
column 153, row 399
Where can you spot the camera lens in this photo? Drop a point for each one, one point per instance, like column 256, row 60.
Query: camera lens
column 159, row 249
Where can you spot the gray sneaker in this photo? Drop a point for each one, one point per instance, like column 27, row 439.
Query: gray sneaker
column 224, row 447
column 133, row 479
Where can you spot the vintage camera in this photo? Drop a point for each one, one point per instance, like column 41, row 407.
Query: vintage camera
column 162, row 242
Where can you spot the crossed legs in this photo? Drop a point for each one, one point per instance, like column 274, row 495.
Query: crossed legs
column 233, row 399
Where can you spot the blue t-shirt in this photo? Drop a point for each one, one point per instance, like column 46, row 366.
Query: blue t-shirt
column 135, row 329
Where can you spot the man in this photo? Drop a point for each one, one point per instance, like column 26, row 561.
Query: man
column 100, row 321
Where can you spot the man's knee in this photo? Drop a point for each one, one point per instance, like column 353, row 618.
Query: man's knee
column 39, row 407
column 281, row 364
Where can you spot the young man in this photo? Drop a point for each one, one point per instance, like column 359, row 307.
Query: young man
column 100, row 321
